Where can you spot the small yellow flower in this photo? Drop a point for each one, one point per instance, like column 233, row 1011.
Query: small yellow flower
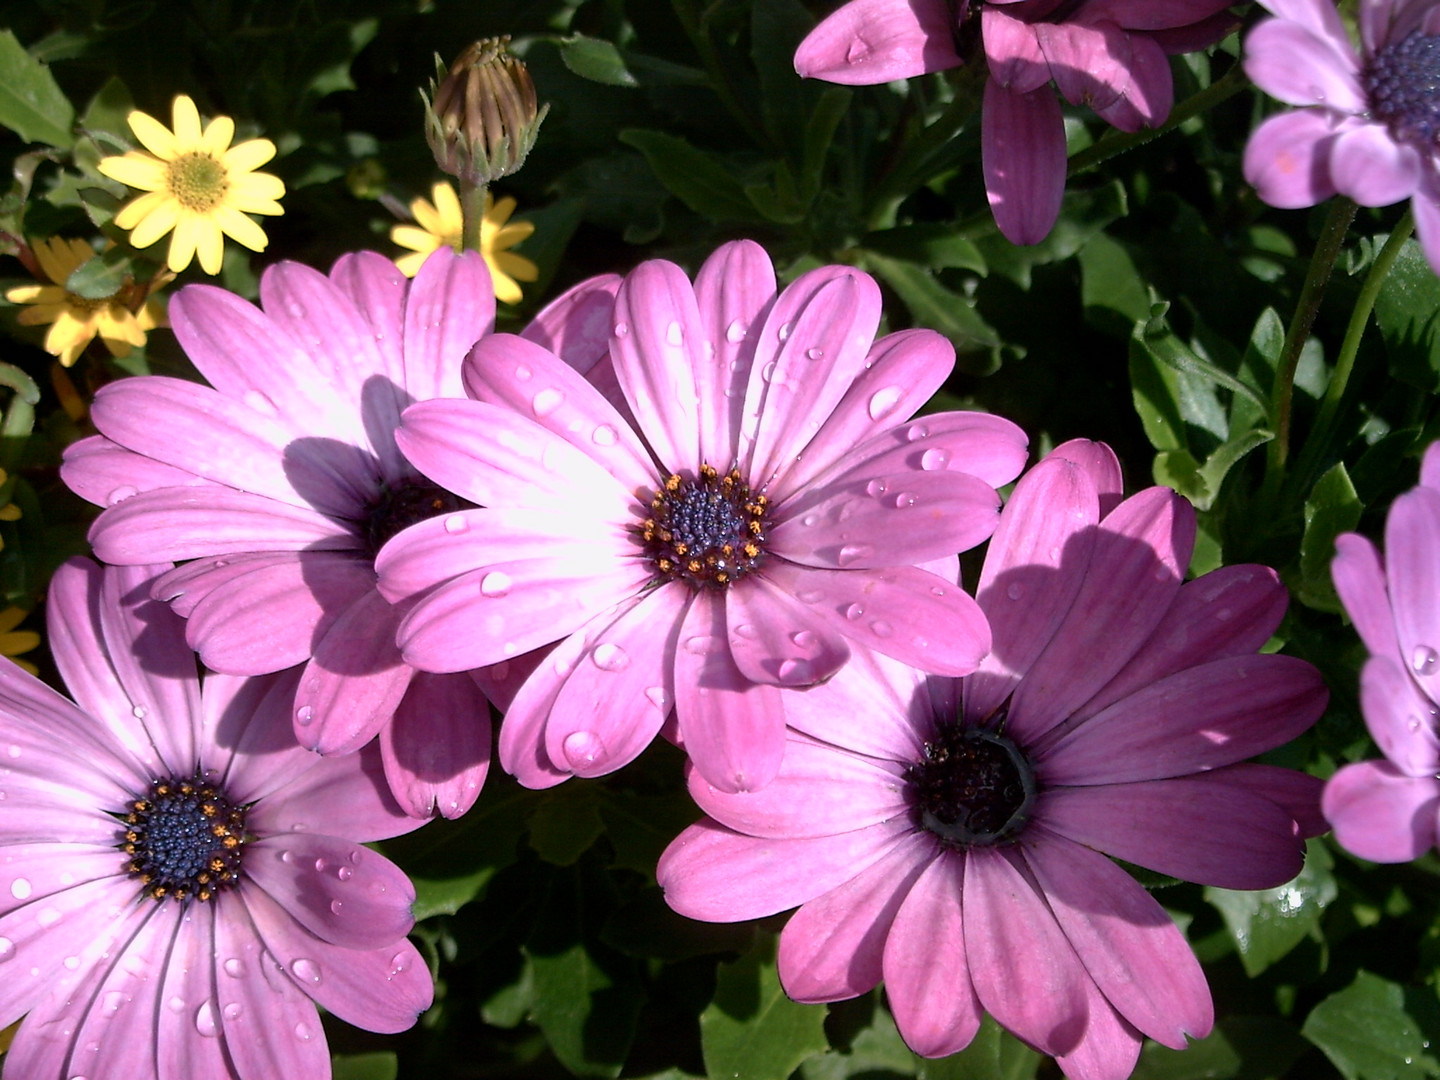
column 197, row 184
column 440, row 225
column 75, row 321
column 14, row 642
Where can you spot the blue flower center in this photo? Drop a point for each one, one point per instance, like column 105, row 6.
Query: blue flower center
column 408, row 504
column 1402, row 81
column 707, row 532
column 973, row 788
column 184, row 839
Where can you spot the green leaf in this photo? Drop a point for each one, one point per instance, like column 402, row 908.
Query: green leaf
column 31, row 101
column 1163, row 343
column 1375, row 1029
column 936, row 247
column 751, row 1030
column 1240, row 1048
column 1333, row 508
column 1266, row 924
column 380, row 1065
column 566, row 823
column 994, row 1054
column 99, row 278
column 597, row 60
column 1111, row 290
column 875, row 1053
column 702, row 181
column 1407, row 312
column 935, row 306
column 1156, row 397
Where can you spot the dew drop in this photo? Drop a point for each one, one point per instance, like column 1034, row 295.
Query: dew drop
column 674, row 334
column 121, row 493
column 656, row 696
column 854, row 611
column 495, row 584
column 857, row 52
column 883, row 402
column 815, row 353
column 784, row 331
column 1424, row 659
column 936, row 590
column 175, row 1003
column 795, row 671
column 234, row 967
column 72, row 963
column 305, row 715
column 501, row 671
column 768, row 371
column 304, row 1032
column 7, row 949
column 810, row 520
column 320, row 865
column 809, row 596
column 735, row 332
column 850, row 554
column 804, row 638
column 20, row 888
column 701, row 644
column 344, row 873
column 881, row 628
column 604, row 435
column 287, row 856
column 608, row 656
column 547, row 401
column 139, row 712
column 876, row 488
column 1015, row 590
column 13, row 750
column 582, row 748
column 904, row 500
column 935, row 459
column 233, row 1011
column 205, row 1020
column 398, row 963
column 916, row 432
column 621, row 329
column 335, row 906
column 1224, row 615
column 747, row 631
column 305, row 970
column 113, row 1002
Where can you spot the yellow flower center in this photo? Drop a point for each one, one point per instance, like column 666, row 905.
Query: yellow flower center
column 197, row 181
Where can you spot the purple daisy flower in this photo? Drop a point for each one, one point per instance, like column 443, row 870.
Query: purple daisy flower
column 181, row 882
column 1107, row 54
column 1373, row 128
column 281, row 480
column 950, row 836
column 727, row 501
column 1389, row 810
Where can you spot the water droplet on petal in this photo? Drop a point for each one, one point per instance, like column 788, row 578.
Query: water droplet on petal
column 233, row 1011
column 854, row 611
column 674, row 334
column 916, row 432
column 604, row 435
column 881, row 628
column 113, row 1002
column 20, row 888
column 523, row 373
column 701, row 644
column 608, row 656
column 784, row 331
column 810, row 520
column 1015, row 590
column 320, row 865
column 335, row 906
column 809, row 596
column 656, row 696
column 883, row 402
column 936, row 590
column 905, row 500
column 398, row 963
column 12, row 750
column 850, row 554
column 304, row 1032
column 796, row 672
column 735, row 332
column 305, row 715
column 305, row 970
column 747, row 631
column 815, row 353
column 495, row 584
column 876, row 488
column 768, row 371
column 287, row 856
column 582, row 748
column 234, row 967
column 344, row 873
column 547, row 401
column 121, row 493
column 804, row 638
column 501, row 671
column 857, row 52
column 1424, row 659
column 72, row 963
column 139, row 712
column 7, row 949
column 621, row 329
column 934, row 459
column 205, row 1020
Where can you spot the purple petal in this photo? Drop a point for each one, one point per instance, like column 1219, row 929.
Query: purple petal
column 903, row 611
column 874, row 705
column 1110, row 1046
column 253, row 743
column 521, row 744
column 1012, row 51
column 105, row 473
column 927, row 972
column 1099, row 462
column 1412, row 555
column 657, row 345
column 1025, row 972
column 821, row 790
column 1298, row 66
column 511, row 372
column 346, row 789
column 1132, row 949
column 711, row 873
column 1022, row 153
column 733, row 289
column 1359, row 578
column 1090, row 62
column 733, row 729
column 874, row 41
column 1368, row 165
column 575, row 326
column 1287, row 160
column 1430, row 466
column 1426, row 207
column 187, row 1039
column 1379, row 813
column 1147, row 15
column 833, row 947
column 1186, row 827
column 450, row 306
column 436, row 749
column 340, row 891
column 1150, row 92
column 1297, row 793
column 34, row 869
column 376, row 288
column 1202, row 718
column 775, row 639
column 1401, row 720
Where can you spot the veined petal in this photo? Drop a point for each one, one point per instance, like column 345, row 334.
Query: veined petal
column 1022, row 153
column 1360, row 580
column 355, row 678
column 1381, row 814
column 1287, row 160
column 448, row 308
column 136, row 170
column 436, row 749
column 575, row 326
column 1412, row 559
column 324, row 791
column 1090, row 61
column 1368, row 165
column 874, row 41
column 1012, row 51
column 775, row 639
column 1296, row 65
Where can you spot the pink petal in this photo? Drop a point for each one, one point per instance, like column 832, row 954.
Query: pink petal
column 253, row 745
column 575, row 326
column 1359, row 578
column 34, row 869
column 1022, row 153
column 436, row 749
column 187, row 1039
column 1296, row 65
column 383, row 989
column 927, row 972
column 450, row 306
column 1401, row 719
column 511, row 372
column 821, row 790
column 902, row 611
column 874, row 41
column 1297, row 793
column 1025, row 972
column 1369, row 166
column 1379, row 813
column 340, row 891
column 1412, row 554
column 1132, row 949
column 657, row 345
column 1012, row 51
column 775, row 639
column 1089, row 61
column 345, row 790
column 1186, row 827
column 1146, row 15
column 733, row 729
column 1425, row 205
column 1140, row 555
column 832, row 948
column 711, row 873
column 1287, row 160
column 1110, row 1047
column 376, row 288
column 1429, row 466
column 813, row 345
column 874, row 706
column 522, row 733
column 1201, row 718
column 1150, row 92
column 733, row 289
column 105, row 473
column 1099, row 462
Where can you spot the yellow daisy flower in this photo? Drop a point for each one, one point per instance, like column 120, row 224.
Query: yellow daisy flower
column 440, row 224
column 74, row 320
column 197, row 184
column 14, row 642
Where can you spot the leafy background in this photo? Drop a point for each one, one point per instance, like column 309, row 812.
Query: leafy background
column 1154, row 317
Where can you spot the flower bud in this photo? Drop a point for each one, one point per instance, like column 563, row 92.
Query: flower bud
column 481, row 117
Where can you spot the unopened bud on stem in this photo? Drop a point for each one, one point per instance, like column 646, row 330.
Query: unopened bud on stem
column 481, row 117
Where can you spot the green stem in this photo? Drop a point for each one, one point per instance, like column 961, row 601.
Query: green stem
column 1117, row 142
column 1327, row 250
column 472, row 213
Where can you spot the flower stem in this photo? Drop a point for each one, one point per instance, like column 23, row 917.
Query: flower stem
column 472, row 214
column 1282, row 395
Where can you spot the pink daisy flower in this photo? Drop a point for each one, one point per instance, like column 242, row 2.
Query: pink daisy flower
column 727, row 501
column 1372, row 129
column 1107, row 54
column 181, row 882
column 281, row 480
column 950, row 837
column 1386, row 810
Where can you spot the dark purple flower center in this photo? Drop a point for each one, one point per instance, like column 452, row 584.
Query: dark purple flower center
column 1402, row 82
column 184, row 839
column 707, row 532
column 408, row 504
column 974, row 788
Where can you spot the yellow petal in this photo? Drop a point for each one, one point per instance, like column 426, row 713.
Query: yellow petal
column 427, row 217
column 18, row 642
column 409, row 265
column 233, row 223
column 59, row 257
column 506, row 291
column 153, row 135
column 254, row 187
column 187, row 124
column 517, row 266
column 216, row 139
column 116, row 323
column 137, row 210
column 41, row 314
column 137, row 170
column 499, row 213
column 409, row 236
column 35, row 294
column 151, row 315
column 248, row 155
column 68, row 337
column 209, row 244
column 182, row 243
column 447, row 205
column 513, row 234
column 163, row 215
column 12, row 616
